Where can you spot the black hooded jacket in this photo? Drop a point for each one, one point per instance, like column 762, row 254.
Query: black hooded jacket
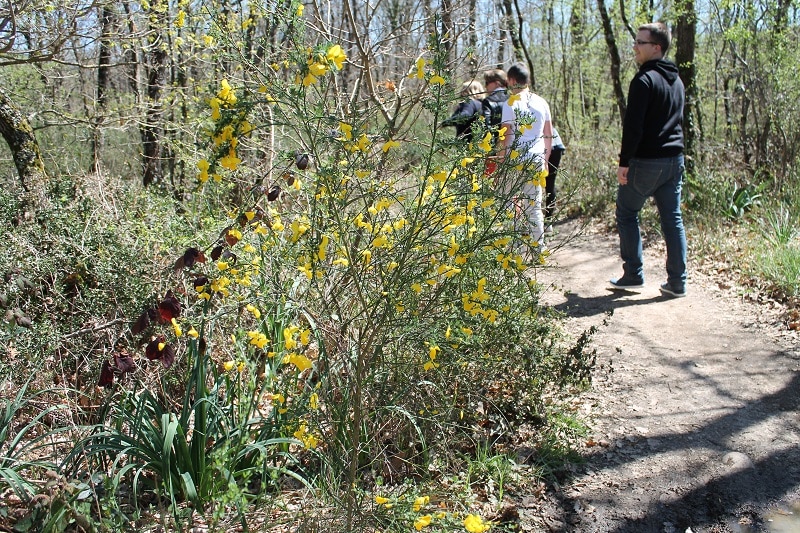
column 653, row 121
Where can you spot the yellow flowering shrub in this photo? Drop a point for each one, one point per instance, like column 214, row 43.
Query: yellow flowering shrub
column 356, row 301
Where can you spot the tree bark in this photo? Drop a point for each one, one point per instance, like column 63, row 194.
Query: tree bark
column 520, row 48
column 684, row 57
column 151, row 130
column 613, row 53
column 624, row 17
column 103, row 68
column 18, row 133
column 448, row 31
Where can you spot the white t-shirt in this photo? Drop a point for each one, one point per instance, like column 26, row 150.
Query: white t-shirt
column 532, row 110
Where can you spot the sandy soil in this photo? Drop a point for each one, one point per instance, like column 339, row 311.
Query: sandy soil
column 696, row 427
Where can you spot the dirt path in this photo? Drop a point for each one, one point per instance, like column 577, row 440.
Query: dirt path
column 697, row 428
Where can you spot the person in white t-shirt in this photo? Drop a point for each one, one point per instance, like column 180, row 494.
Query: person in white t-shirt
column 529, row 132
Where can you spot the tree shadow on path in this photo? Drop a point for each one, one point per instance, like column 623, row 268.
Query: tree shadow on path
column 730, row 492
column 737, row 484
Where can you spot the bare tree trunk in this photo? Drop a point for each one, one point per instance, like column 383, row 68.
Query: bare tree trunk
column 156, row 80
column 577, row 32
column 103, row 66
column 472, row 36
column 684, row 57
column 519, row 45
column 624, row 17
column 17, row 132
column 514, row 21
column 448, row 31
column 613, row 53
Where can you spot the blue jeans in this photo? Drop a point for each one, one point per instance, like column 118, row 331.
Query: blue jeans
column 662, row 179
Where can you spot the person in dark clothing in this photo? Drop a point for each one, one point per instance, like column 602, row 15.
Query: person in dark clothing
column 495, row 81
column 553, row 162
column 651, row 161
column 468, row 111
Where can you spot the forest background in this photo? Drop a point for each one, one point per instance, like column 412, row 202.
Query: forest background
column 247, row 275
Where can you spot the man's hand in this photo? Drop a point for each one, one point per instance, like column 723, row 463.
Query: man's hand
column 622, row 175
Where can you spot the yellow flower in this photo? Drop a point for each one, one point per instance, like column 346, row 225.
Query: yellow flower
column 367, row 256
column 380, row 500
column 336, row 55
column 541, row 177
column 180, row 20
column 300, row 9
column 317, row 69
column 323, row 246
column 363, row 142
column 347, row 131
column 176, row 327
column 501, row 133
column 420, row 502
column 306, row 269
column 288, row 337
column 230, row 161
column 422, row 521
column 475, row 524
column 245, row 128
column 420, row 74
column 313, row 401
column 389, row 144
column 300, row 361
column 257, row 339
column 454, row 246
column 208, row 40
column 299, row 227
column 513, row 98
column 278, row 399
column 228, row 366
column 308, row 440
column 437, row 80
column 309, row 79
column 486, row 143
column 226, row 93
column 193, row 333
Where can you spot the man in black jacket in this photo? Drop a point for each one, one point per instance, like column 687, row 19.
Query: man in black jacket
column 495, row 81
column 651, row 161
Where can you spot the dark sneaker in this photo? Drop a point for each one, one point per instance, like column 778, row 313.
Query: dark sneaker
column 624, row 283
column 667, row 290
